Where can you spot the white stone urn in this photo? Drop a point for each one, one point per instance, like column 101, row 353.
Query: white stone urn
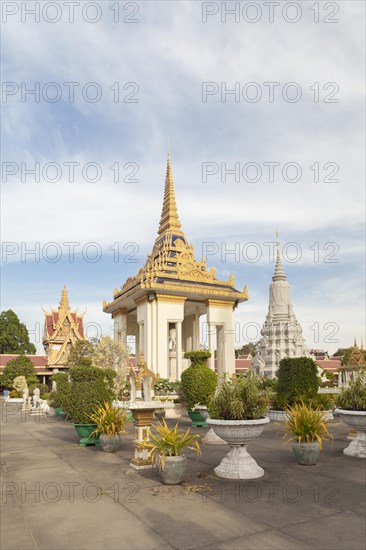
column 238, row 463
column 357, row 421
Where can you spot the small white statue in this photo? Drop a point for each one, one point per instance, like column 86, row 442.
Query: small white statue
column 36, row 398
column 172, row 339
column 25, row 398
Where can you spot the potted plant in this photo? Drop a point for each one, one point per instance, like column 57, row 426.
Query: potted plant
column 237, row 413
column 297, row 380
column 306, row 428
column 351, row 403
column 198, row 383
column 166, row 446
column 110, row 423
column 88, row 388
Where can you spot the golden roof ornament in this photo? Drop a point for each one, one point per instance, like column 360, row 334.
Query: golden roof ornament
column 64, row 302
column 172, row 266
column 169, row 220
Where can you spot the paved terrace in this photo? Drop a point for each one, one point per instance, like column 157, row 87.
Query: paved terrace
column 50, row 496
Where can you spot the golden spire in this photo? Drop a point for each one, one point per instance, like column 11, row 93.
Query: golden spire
column 64, row 303
column 169, row 221
column 355, row 342
column 362, row 348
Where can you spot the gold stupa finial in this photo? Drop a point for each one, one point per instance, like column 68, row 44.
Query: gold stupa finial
column 361, row 347
column 64, row 302
column 169, row 221
column 355, row 342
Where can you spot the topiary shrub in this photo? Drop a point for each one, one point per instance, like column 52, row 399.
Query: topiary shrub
column 297, row 379
column 198, row 357
column 88, row 389
column 60, row 395
column 198, row 382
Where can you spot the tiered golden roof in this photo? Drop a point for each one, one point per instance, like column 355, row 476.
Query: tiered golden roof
column 357, row 357
column 172, row 264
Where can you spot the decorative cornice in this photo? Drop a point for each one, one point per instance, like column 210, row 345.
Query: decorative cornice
column 141, row 300
column 170, row 298
column 121, row 311
column 220, row 303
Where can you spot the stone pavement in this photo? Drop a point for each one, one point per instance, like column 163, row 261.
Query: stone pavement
column 57, row 495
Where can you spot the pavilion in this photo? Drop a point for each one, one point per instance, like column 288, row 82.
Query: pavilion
column 163, row 303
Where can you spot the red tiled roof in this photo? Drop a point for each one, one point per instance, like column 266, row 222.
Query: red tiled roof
column 53, row 317
column 37, row 360
column 331, row 364
column 241, row 365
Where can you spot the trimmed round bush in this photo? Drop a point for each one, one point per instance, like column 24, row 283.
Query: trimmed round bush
column 88, row 389
column 297, row 378
column 198, row 382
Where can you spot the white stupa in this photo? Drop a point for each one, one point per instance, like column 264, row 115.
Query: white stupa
column 281, row 332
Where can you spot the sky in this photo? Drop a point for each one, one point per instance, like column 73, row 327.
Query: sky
column 264, row 112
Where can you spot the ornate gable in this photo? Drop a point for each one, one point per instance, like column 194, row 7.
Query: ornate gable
column 62, row 328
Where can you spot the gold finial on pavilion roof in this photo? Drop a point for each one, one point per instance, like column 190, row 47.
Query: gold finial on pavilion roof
column 64, row 302
column 362, row 348
column 355, row 342
column 169, row 221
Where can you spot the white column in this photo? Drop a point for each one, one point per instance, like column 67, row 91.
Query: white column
column 141, row 339
column 178, row 329
column 196, row 329
column 211, row 344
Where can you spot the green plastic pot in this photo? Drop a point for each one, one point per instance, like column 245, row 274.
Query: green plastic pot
column 58, row 411
column 84, row 431
column 197, row 419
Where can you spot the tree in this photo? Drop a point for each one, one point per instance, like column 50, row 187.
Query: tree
column 109, row 354
column 14, row 337
column 20, row 366
column 81, row 353
column 247, row 348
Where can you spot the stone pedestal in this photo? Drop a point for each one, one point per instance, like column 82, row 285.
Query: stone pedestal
column 357, row 421
column 142, row 420
column 212, row 439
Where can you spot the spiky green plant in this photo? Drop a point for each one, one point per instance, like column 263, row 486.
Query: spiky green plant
column 109, row 421
column 306, row 425
column 353, row 396
column 243, row 398
column 166, row 442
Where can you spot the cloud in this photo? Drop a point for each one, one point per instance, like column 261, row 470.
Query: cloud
column 169, row 54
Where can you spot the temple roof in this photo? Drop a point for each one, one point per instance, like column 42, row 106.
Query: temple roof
column 357, row 358
column 56, row 318
column 172, row 264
